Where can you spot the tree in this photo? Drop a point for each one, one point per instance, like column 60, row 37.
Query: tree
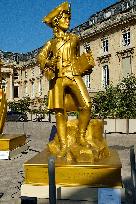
column 126, row 103
column 22, row 105
column 104, row 103
column 118, row 101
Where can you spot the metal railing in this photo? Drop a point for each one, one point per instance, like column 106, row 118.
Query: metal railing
column 105, row 14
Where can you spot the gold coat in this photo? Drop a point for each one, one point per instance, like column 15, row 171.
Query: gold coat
column 66, row 86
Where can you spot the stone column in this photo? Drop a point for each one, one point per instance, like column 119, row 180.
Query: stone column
column 11, row 86
column 20, row 90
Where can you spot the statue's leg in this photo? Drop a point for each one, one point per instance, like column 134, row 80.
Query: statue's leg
column 84, row 118
column 61, row 131
column 79, row 89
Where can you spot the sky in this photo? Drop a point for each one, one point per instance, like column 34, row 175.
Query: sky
column 21, row 27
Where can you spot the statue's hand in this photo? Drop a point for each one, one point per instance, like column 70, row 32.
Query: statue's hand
column 89, row 54
column 49, row 73
column 51, row 64
column 54, row 62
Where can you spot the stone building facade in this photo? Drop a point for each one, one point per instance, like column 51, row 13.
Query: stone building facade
column 110, row 34
column 22, row 77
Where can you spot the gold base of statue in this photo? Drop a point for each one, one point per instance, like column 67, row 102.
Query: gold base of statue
column 94, row 150
column 105, row 173
column 11, row 141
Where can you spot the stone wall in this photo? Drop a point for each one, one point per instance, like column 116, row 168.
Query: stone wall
column 35, row 129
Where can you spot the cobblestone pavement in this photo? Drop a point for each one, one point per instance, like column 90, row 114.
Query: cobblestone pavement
column 11, row 171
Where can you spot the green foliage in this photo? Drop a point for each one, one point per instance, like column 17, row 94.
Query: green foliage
column 117, row 102
column 74, row 113
column 28, row 105
column 21, row 105
column 46, row 100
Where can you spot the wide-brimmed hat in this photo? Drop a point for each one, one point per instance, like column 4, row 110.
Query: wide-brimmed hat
column 65, row 6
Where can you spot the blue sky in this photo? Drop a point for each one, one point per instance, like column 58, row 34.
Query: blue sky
column 21, row 27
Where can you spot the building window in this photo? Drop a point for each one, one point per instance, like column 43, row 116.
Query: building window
column 105, row 76
column 16, row 59
column 100, row 17
column 93, row 20
column 33, row 71
column 25, row 73
column 105, row 45
column 25, row 90
column 87, row 81
column 15, row 75
column 4, row 84
column 87, row 47
column 126, row 5
column 15, row 91
column 40, row 87
column 126, row 66
column 107, row 14
column 118, row 8
column 126, row 38
column 32, row 94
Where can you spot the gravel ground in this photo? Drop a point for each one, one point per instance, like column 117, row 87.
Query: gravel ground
column 11, row 171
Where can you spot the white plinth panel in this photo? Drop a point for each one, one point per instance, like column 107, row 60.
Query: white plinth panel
column 12, row 153
column 110, row 126
column 71, row 193
column 121, row 125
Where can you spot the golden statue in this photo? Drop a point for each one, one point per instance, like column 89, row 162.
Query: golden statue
column 3, row 104
column 64, row 67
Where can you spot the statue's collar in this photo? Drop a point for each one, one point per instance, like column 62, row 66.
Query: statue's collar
column 63, row 36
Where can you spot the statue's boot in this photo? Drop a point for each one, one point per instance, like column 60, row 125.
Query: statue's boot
column 63, row 150
column 84, row 119
column 82, row 139
column 61, row 132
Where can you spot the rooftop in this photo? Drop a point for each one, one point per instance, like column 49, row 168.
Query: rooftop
column 121, row 7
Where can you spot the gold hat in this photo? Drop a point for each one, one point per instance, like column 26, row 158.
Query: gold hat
column 65, row 6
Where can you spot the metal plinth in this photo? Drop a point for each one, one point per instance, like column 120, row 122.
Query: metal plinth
column 105, row 173
column 12, row 153
column 10, row 142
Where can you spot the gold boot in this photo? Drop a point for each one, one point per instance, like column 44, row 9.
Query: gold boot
column 63, row 151
column 82, row 139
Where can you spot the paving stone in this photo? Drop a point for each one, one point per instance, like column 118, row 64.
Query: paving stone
column 12, row 174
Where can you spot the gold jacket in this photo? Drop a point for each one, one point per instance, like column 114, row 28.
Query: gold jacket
column 57, row 59
column 64, row 50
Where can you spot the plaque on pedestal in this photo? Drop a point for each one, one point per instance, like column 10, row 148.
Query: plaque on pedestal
column 109, row 195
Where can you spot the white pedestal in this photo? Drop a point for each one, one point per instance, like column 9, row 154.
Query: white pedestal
column 12, row 153
column 72, row 193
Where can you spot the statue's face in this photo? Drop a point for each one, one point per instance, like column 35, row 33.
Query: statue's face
column 64, row 22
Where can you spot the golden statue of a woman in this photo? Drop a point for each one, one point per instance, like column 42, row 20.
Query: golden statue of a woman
column 64, row 67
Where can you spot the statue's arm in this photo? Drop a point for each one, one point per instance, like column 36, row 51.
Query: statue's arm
column 45, row 62
column 78, row 46
column 43, row 56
